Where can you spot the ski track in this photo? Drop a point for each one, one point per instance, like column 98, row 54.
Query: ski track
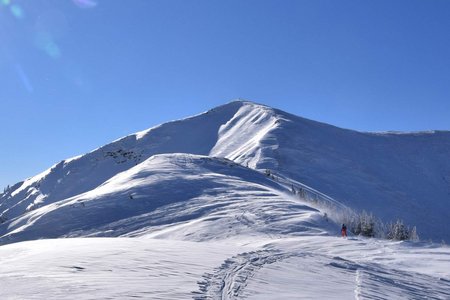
column 229, row 280
column 372, row 280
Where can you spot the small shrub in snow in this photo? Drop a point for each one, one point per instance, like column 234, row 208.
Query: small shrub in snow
column 400, row 232
column 293, row 190
column 413, row 234
column 6, row 189
column 3, row 219
column 364, row 224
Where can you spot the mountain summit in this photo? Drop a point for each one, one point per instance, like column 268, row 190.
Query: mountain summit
column 136, row 184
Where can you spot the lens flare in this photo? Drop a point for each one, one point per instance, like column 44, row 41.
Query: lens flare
column 17, row 11
column 24, row 78
column 85, row 3
column 54, row 22
column 46, row 43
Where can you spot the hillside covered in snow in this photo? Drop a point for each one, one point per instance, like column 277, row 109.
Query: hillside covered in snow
column 120, row 188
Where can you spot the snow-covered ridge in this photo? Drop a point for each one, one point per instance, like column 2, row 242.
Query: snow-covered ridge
column 393, row 175
column 178, row 195
column 417, row 133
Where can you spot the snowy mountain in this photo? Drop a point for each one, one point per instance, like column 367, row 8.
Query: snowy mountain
column 204, row 208
column 393, row 175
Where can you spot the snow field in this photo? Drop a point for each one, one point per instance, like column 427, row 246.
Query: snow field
column 291, row 268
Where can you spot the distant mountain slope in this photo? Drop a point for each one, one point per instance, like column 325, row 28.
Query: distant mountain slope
column 394, row 175
column 403, row 175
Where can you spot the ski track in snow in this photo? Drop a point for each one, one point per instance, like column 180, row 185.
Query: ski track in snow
column 372, row 281
column 308, row 267
column 229, row 280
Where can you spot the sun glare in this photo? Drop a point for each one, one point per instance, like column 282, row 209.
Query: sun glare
column 15, row 9
column 85, row 3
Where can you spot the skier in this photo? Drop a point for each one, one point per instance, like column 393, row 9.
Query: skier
column 344, row 230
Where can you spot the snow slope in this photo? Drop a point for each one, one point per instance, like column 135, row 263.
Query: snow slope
column 194, row 214
column 394, row 175
column 177, row 195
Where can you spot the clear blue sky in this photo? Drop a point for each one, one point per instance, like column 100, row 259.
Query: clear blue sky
column 77, row 74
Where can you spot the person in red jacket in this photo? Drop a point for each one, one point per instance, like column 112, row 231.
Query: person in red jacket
column 344, row 230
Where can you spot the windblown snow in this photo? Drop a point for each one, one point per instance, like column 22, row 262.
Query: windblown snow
column 203, row 208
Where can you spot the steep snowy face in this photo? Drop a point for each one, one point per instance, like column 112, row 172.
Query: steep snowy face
column 179, row 196
column 246, row 138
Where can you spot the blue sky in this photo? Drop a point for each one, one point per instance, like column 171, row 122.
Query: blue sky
column 77, row 74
